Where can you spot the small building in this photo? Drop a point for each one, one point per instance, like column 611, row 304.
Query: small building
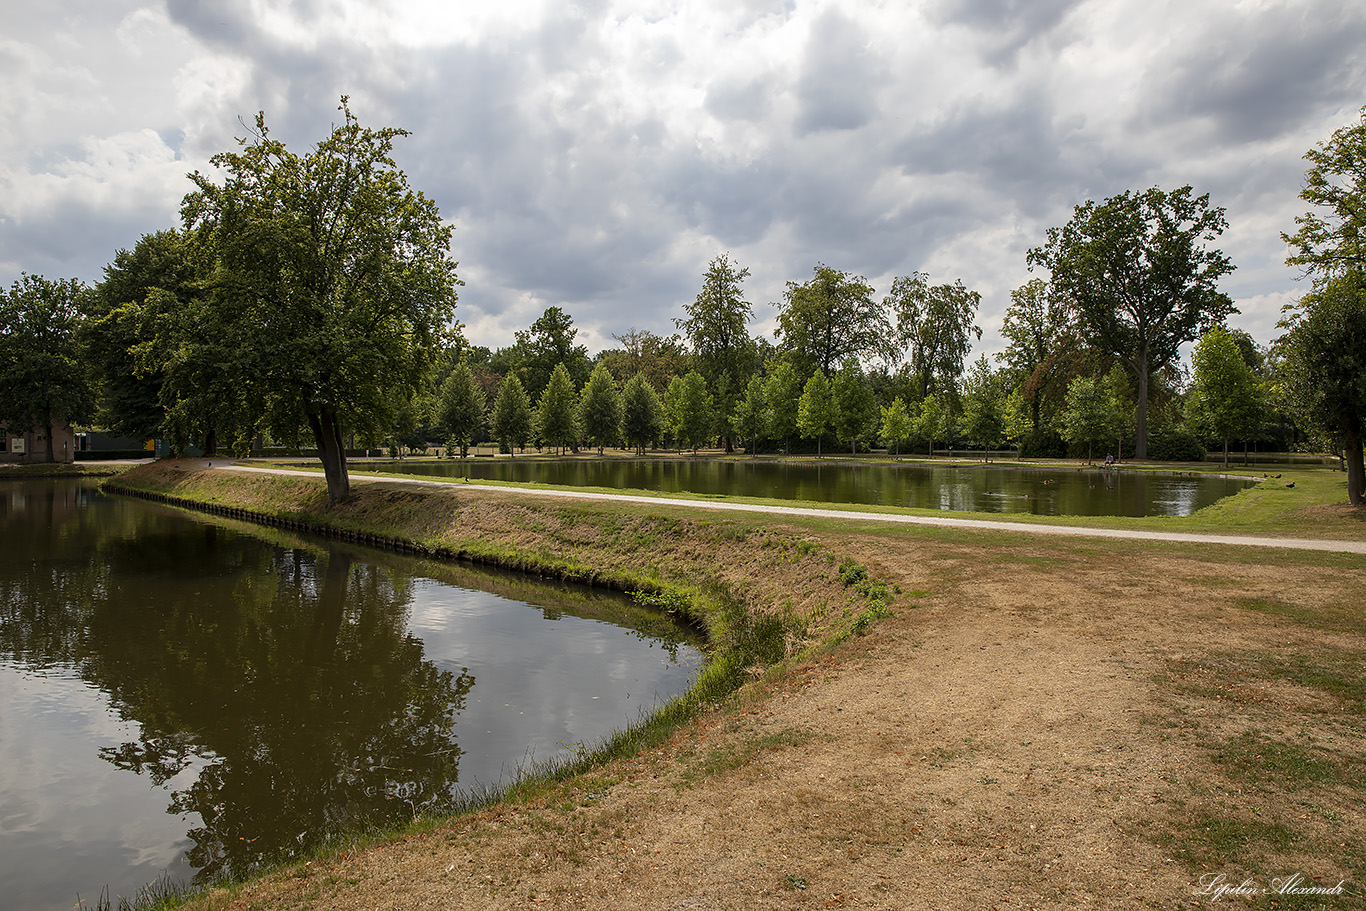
column 31, row 446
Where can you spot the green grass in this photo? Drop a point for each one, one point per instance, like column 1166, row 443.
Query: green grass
column 1207, row 840
column 1264, row 761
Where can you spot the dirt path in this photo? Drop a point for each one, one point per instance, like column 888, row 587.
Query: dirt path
column 1357, row 547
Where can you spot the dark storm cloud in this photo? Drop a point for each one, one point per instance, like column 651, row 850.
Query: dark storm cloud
column 1023, row 152
column 736, row 203
column 70, row 240
column 839, row 78
column 219, row 25
column 1005, row 26
column 1261, row 75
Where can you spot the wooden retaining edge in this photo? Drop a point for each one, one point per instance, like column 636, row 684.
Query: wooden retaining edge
column 385, row 542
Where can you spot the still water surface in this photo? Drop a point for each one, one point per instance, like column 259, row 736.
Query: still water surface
column 192, row 696
column 1042, row 492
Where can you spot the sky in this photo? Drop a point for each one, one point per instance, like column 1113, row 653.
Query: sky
column 596, row 156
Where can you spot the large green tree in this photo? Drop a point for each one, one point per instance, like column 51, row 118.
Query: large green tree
column 600, row 409
column 983, row 407
column 512, row 420
column 43, row 380
column 1090, row 416
column 1331, row 240
column 715, row 325
column 896, row 425
column 829, row 318
column 1323, row 369
column 145, row 290
column 658, row 358
column 332, row 282
column 1224, row 400
column 750, row 416
column 460, row 408
column 935, row 420
column 782, row 393
column 692, row 410
column 816, row 409
column 935, row 326
column 1141, row 275
column 557, row 412
column 855, row 407
column 1038, row 325
column 642, row 421
column 548, row 343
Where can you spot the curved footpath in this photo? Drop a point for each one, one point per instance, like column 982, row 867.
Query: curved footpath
column 1357, row 547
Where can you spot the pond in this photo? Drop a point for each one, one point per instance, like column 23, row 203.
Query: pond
column 1038, row 491
column 192, row 696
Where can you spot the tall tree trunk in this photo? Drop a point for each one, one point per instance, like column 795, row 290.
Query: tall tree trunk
column 210, row 442
column 1226, row 452
column 1356, row 470
column 1141, row 415
column 331, row 611
column 51, row 452
column 327, row 433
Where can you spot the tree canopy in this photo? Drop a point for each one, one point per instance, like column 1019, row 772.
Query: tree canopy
column 829, row 318
column 855, row 408
column 692, row 410
column 1090, row 417
column 144, row 289
column 331, row 282
column 1037, row 324
column 547, row 344
column 42, row 378
column 1323, row 372
column 716, row 324
column 512, row 420
column 642, row 413
column 557, row 411
column 1331, row 240
column 934, row 324
column 816, row 409
column 600, row 409
column 1224, row 399
column 460, row 408
column 1139, row 272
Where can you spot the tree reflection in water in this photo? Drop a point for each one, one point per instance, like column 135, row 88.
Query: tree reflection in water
column 277, row 690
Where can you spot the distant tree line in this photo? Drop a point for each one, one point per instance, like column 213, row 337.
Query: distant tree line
column 314, row 294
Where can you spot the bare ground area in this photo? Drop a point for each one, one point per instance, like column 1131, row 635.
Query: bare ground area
column 1040, row 724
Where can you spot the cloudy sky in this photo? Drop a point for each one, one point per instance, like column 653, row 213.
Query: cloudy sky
column 597, row 155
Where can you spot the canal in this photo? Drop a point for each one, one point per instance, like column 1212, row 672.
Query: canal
column 1034, row 491
column 190, row 697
